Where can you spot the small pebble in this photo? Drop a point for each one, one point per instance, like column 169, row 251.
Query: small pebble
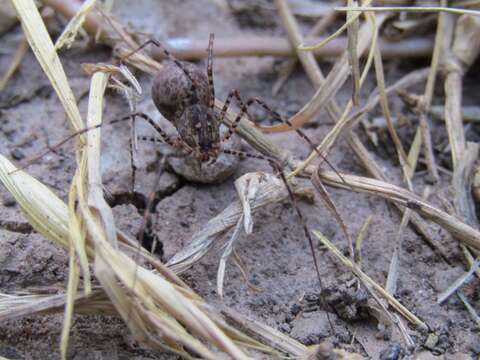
column 8, row 200
column 17, row 154
column 392, row 352
column 192, row 170
column 431, row 342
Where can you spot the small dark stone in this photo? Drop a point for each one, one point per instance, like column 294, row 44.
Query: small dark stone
column 296, row 308
column 8, row 200
column 285, row 328
column 392, row 352
column 17, row 154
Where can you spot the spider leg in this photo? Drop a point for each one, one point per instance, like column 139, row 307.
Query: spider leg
column 167, row 139
column 133, row 166
column 243, row 110
column 211, row 86
column 145, row 232
column 176, row 143
column 278, row 168
column 185, row 151
column 278, row 117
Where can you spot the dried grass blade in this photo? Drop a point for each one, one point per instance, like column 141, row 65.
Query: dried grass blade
column 365, row 278
column 458, row 283
column 42, row 208
column 74, row 25
column 274, row 337
column 16, row 60
column 359, row 240
column 95, row 190
column 413, row 153
column 327, row 200
column 73, row 280
column 419, row 9
column 332, row 84
column 458, row 229
column 226, row 254
column 367, row 33
column 76, row 230
column 471, row 310
column 236, row 332
column 462, row 184
column 42, row 46
column 353, row 58
column 290, row 65
column 339, row 31
column 402, row 156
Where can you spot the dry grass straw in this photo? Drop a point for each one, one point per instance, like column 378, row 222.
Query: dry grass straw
column 473, row 313
column 74, row 26
column 327, row 87
column 370, row 283
column 290, row 65
column 353, row 58
column 16, row 61
column 457, row 228
column 419, row 9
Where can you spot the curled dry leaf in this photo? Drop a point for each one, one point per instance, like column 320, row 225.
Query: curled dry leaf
column 466, row 45
column 247, row 187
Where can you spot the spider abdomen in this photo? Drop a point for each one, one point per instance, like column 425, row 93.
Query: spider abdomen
column 171, row 87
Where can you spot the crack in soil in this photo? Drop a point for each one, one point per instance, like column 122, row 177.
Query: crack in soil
column 139, row 200
column 18, row 227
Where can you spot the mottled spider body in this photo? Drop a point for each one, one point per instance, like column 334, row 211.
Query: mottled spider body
column 184, row 95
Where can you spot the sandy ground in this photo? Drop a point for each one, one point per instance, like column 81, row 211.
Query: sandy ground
column 30, row 113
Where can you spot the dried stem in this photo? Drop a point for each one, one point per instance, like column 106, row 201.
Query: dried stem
column 458, row 229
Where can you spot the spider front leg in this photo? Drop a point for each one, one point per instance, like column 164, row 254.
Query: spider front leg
column 146, row 236
column 185, row 149
column 211, row 86
column 244, row 106
column 173, row 142
column 243, row 111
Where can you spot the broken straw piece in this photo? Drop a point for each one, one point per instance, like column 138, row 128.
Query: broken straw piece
column 247, row 187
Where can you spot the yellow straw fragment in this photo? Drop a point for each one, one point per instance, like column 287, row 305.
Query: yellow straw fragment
column 42, row 208
column 412, row 9
column 74, row 26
